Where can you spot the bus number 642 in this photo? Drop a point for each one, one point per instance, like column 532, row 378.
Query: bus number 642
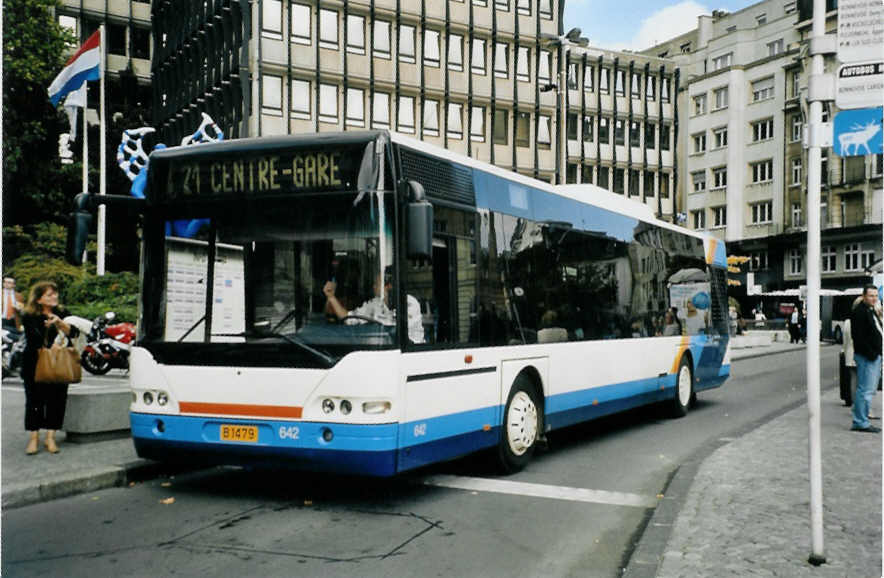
column 289, row 432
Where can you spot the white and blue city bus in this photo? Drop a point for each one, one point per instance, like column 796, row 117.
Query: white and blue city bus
column 529, row 307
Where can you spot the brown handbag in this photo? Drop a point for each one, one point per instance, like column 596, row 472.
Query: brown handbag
column 57, row 364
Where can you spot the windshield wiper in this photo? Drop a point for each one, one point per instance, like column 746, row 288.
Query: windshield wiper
column 324, row 357
column 192, row 327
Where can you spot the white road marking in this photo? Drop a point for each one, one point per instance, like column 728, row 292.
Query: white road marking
column 542, row 491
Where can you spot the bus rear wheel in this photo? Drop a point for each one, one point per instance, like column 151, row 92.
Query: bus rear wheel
column 521, row 426
column 684, row 389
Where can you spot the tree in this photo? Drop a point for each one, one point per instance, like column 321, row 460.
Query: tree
column 36, row 187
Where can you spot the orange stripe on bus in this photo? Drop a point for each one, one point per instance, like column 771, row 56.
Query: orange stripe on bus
column 710, row 256
column 240, row 409
column 685, row 341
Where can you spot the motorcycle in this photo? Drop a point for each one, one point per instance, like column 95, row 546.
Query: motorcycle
column 13, row 349
column 108, row 345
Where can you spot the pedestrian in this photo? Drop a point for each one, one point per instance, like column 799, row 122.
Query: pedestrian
column 12, row 304
column 793, row 326
column 866, row 331
column 43, row 319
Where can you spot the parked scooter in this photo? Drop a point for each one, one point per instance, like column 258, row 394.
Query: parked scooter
column 13, row 349
column 108, row 345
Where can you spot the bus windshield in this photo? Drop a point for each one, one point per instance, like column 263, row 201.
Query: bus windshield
column 309, row 276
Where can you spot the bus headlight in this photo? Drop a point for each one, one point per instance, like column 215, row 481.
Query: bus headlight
column 328, row 406
column 346, row 407
column 374, row 407
column 147, row 397
column 162, row 398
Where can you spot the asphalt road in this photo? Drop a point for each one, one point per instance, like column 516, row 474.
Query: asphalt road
column 576, row 510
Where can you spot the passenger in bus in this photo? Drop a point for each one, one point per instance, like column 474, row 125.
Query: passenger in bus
column 377, row 308
column 695, row 320
column 671, row 325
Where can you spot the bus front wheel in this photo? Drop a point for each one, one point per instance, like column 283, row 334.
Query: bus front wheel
column 521, row 426
column 684, row 389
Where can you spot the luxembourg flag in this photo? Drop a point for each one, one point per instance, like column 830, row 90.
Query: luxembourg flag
column 84, row 65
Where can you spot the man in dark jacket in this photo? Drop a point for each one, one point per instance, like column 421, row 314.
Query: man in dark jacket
column 866, row 330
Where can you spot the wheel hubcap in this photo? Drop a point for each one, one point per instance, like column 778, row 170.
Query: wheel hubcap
column 684, row 385
column 521, row 423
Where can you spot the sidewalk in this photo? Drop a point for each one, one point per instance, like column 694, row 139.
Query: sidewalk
column 743, row 509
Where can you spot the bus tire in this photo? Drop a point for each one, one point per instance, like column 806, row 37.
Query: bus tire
column 684, row 389
column 521, row 426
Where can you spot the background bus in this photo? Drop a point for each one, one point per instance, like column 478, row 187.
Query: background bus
column 529, row 307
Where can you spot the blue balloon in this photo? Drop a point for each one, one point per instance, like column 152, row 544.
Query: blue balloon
column 701, row 300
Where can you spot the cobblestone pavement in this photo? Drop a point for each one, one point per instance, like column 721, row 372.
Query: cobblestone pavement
column 748, row 509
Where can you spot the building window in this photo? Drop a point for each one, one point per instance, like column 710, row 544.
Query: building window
column 664, row 137
column 431, row 47
column 867, row 257
column 698, row 219
column 758, row 261
column 405, row 114
column 300, row 98
column 824, row 212
column 328, row 29
column 698, row 179
column 796, row 262
column 501, row 126
column 454, row 124
column 796, row 172
column 572, row 126
column 635, row 85
column 571, row 174
column 588, row 75
column 604, row 130
column 664, row 185
column 650, row 135
column 664, row 89
column 719, row 217
column 543, row 131
column 763, row 89
column 762, row 172
column 651, row 87
column 328, row 103
column 649, row 183
column 501, row 60
column 545, row 65
column 796, row 214
column 68, row 22
column 720, row 137
column 546, row 9
column 502, row 5
column 572, row 75
column 722, row 61
column 355, row 107
column 523, row 7
column 116, row 38
column 775, row 47
column 271, row 20
column 586, row 174
column 299, row 23
column 619, row 87
column 380, row 110
column 699, row 104
column 719, row 178
column 140, row 41
column 762, row 130
column 356, row 34
column 761, row 19
column 604, row 79
column 851, row 257
column 431, row 118
column 381, row 38
column 829, row 258
column 796, row 83
column 635, row 136
column 721, row 97
column 455, row 52
column 587, row 128
column 619, row 131
column 477, row 124
column 406, row 43
column 796, row 128
column 523, row 64
column 271, row 95
column 633, row 183
column 699, row 141
column 619, row 176
column 478, row 63
column 523, row 129
column 878, row 165
column 762, row 213
column 603, row 180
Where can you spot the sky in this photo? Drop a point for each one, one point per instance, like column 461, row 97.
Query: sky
column 639, row 24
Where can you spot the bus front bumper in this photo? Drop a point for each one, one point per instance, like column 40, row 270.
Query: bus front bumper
column 315, row 446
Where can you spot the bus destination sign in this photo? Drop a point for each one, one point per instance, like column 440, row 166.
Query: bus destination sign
column 274, row 173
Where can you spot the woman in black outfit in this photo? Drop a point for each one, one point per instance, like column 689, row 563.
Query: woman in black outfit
column 44, row 402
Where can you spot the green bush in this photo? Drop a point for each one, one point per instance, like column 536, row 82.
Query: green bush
column 92, row 296
column 31, row 268
column 91, row 310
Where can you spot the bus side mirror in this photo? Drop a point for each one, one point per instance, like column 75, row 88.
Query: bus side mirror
column 78, row 229
column 420, row 223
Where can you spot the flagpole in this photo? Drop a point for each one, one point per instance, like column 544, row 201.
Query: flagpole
column 102, row 187
column 85, row 145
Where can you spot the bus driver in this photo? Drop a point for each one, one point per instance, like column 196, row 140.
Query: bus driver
column 377, row 308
